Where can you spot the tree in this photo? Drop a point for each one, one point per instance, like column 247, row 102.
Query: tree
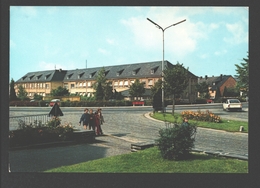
column 22, row 93
column 203, row 89
column 12, row 94
column 99, row 94
column 137, row 89
column 60, row 91
column 108, row 90
column 37, row 97
column 157, row 95
column 243, row 76
column 102, row 86
column 175, row 81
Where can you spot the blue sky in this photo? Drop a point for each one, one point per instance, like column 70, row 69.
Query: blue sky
column 210, row 42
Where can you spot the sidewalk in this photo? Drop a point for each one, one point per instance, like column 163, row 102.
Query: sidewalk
column 56, row 155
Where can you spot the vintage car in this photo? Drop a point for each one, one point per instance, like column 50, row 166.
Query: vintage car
column 232, row 104
column 53, row 101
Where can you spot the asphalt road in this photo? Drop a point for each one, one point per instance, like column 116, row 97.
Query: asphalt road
column 124, row 127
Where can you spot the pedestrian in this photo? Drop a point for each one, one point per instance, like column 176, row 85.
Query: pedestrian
column 185, row 122
column 92, row 120
column 84, row 118
column 101, row 119
column 97, row 123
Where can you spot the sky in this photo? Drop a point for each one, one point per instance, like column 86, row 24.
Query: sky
column 210, row 42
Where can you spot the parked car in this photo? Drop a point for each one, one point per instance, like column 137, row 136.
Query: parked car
column 53, row 101
column 232, row 104
column 210, row 101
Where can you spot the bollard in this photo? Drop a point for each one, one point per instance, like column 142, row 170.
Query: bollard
column 241, row 128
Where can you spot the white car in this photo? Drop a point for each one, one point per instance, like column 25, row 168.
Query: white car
column 232, row 104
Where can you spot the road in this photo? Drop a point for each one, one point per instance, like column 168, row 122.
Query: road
column 129, row 123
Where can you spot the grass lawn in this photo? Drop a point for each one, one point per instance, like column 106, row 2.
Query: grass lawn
column 151, row 161
column 227, row 125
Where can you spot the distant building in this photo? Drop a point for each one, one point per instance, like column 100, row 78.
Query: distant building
column 218, row 83
column 80, row 81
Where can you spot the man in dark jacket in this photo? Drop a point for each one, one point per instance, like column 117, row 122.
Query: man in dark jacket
column 84, row 118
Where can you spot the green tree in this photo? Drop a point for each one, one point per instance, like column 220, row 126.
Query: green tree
column 108, row 90
column 157, row 95
column 99, row 94
column 37, row 97
column 12, row 94
column 102, row 86
column 203, row 89
column 175, row 82
column 60, row 91
column 137, row 89
column 243, row 76
column 22, row 93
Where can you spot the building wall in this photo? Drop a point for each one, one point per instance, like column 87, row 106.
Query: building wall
column 230, row 83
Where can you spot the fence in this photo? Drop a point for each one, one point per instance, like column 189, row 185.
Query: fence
column 18, row 122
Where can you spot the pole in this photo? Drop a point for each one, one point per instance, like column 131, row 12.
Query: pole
column 163, row 106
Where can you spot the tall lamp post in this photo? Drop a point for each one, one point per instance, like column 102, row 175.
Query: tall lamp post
column 159, row 27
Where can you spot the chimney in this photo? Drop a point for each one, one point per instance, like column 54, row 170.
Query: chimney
column 206, row 77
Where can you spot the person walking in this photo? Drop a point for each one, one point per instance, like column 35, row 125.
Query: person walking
column 97, row 123
column 84, row 118
column 92, row 123
column 101, row 119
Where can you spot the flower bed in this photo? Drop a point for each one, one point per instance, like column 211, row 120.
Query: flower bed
column 201, row 116
column 29, row 135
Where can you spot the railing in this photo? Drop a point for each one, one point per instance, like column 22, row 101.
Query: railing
column 18, row 122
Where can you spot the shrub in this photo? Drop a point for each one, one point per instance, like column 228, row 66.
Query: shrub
column 175, row 143
column 29, row 134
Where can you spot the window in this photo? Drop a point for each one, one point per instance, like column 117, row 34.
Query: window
column 126, row 83
column 89, row 84
column 47, row 86
column 150, row 82
column 72, row 85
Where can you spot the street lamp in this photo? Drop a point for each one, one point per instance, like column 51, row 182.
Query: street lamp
column 159, row 27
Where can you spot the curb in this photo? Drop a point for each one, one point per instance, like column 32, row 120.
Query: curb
column 219, row 154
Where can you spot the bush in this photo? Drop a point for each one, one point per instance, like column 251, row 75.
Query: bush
column 29, row 135
column 175, row 143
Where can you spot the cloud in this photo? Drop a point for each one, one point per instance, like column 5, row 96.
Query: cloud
column 179, row 40
column 110, row 41
column 239, row 35
column 103, row 51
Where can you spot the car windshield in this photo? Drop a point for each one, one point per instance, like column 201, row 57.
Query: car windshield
column 234, row 101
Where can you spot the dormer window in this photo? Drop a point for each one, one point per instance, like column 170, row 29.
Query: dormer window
column 118, row 73
column 38, row 77
column 135, row 71
column 80, row 75
column 47, row 76
column 31, row 77
column 153, row 70
column 24, row 77
column 92, row 74
column 69, row 76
